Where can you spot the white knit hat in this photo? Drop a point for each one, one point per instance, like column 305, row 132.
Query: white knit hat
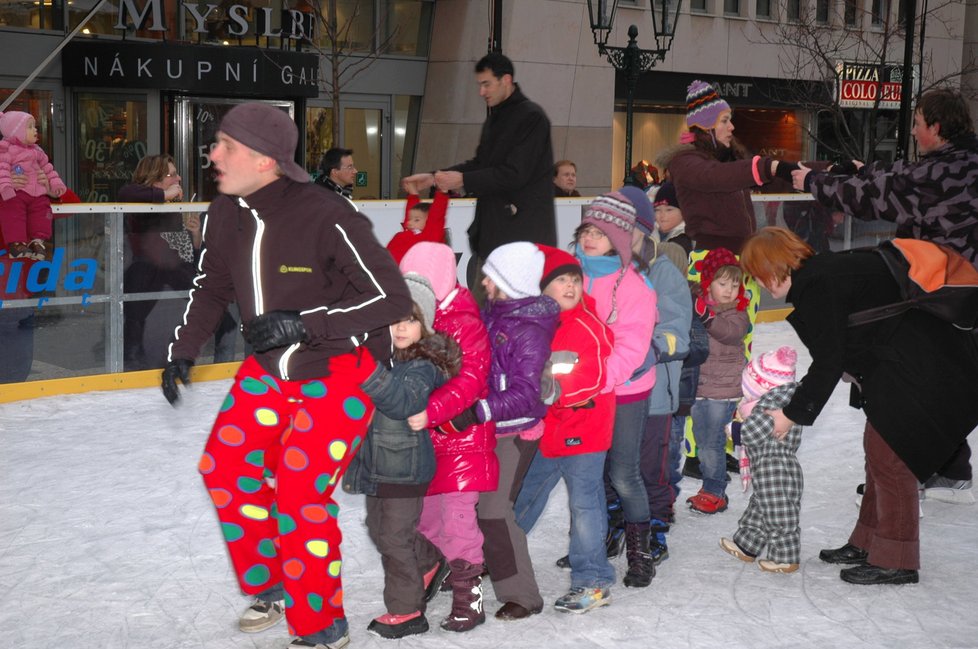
column 516, row 268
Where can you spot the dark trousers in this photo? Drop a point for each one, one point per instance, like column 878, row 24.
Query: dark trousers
column 889, row 517
column 505, row 549
column 655, row 466
column 405, row 553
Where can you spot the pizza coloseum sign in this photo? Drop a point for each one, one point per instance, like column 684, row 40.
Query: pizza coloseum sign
column 859, row 85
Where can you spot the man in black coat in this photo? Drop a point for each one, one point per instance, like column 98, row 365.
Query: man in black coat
column 511, row 173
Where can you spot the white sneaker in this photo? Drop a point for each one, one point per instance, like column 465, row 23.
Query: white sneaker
column 773, row 566
column 261, row 615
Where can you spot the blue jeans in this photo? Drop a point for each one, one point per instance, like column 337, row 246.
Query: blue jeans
column 582, row 474
column 676, row 434
column 623, row 468
column 710, row 417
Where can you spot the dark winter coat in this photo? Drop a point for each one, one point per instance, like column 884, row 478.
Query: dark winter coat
column 295, row 247
column 392, row 453
column 933, row 199
column 466, row 459
column 715, row 195
column 520, row 333
column 917, row 375
column 511, row 175
column 689, row 379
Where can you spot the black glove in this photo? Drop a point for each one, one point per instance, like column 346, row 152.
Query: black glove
column 784, row 170
column 465, row 419
column 846, row 168
column 177, row 369
column 461, row 421
column 274, row 329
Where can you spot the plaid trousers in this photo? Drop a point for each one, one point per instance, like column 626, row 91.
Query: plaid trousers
column 772, row 517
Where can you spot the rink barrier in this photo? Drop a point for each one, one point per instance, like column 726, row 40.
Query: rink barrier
column 386, row 217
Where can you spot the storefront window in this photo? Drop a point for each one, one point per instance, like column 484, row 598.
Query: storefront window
column 362, row 133
column 38, row 103
column 408, row 27
column 354, row 23
column 111, row 140
column 407, row 114
column 319, row 136
column 43, row 14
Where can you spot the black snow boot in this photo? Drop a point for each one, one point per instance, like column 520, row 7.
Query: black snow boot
column 615, row 541
column 641, row 563
column 467, row 613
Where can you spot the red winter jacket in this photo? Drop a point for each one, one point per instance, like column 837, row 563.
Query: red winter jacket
column 464, row 461
column 581, row 419
column 434, row 227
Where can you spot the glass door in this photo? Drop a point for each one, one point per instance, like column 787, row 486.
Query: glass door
column 364, row 128
column 196, row 121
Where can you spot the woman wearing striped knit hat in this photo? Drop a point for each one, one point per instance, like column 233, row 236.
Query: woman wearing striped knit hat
column 714, row 174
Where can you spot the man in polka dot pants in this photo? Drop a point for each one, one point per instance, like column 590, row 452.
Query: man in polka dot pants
column 317, row 294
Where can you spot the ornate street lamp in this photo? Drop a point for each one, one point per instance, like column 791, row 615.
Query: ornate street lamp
column 630, row 59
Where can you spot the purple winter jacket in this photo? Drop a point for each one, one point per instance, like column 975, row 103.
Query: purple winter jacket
column 520, row 332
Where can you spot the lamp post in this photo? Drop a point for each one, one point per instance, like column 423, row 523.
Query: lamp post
column 632, row 60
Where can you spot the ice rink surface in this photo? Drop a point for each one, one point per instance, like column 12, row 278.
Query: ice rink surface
column 108, row 540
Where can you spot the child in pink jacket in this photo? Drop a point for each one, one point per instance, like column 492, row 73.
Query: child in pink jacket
column 465, row 460
column 25, row 213
column 603, row 244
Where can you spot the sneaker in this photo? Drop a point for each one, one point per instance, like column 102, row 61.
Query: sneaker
column 946, row 490
column 733, row 464
column 18, row 250
column 730, row 547
column 773, row 566
column 392, row 626
column 36, row 250
column 657, row 541
column 691, row 468
column 706, row 503
column 302, row 643
column 582, row 600
column 335, row 636
column 261, row 615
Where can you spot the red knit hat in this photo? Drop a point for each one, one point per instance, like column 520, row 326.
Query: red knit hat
column 557, row 262
column 708, row 267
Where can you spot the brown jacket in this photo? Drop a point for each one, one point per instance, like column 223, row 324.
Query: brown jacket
column 720, row 375
column 715, row 196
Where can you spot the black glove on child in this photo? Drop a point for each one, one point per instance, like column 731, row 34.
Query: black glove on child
column 460, row 422
column 177, row 369
column 784, row 170
column 274, row 329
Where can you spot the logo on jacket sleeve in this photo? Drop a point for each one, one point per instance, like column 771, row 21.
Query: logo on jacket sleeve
column 294, row 269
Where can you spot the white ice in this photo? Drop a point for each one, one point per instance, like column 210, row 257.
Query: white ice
column 108, row 540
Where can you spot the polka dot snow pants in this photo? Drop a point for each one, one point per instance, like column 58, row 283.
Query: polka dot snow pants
column 304, row 433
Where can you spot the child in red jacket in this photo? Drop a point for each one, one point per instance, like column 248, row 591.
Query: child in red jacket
column 422, row 222
column 577, row 434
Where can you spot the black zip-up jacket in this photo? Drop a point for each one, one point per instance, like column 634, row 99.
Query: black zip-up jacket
column 295, row 247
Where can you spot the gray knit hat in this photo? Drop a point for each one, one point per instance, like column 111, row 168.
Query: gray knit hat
column 424, row 296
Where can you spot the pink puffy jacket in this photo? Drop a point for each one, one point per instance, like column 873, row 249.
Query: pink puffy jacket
column 465, row 461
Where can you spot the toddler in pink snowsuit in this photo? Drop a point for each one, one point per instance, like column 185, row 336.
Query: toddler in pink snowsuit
column 25, row 212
